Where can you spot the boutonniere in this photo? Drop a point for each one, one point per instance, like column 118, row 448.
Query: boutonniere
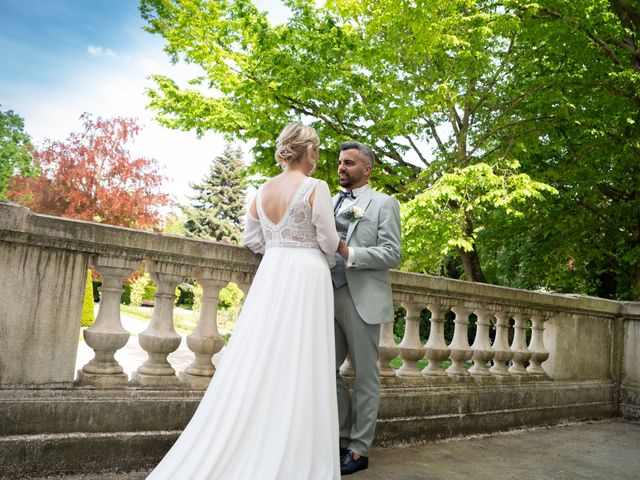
column 354, row 213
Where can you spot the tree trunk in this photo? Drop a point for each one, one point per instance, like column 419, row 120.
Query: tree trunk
column 471, row 264
column 471, row 260
column 635, row 284
column 608, row 285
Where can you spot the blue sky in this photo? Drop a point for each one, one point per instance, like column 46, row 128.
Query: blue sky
column 43, row 39
column 61, row 58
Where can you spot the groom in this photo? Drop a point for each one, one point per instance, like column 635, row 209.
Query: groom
column 369, row 224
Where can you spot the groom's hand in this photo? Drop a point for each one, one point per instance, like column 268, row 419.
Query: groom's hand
column 343, row 250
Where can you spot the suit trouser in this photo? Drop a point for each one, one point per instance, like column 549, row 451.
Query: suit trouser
column 358, row 412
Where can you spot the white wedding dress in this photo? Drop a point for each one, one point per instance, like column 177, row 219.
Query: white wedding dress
column 270, row 411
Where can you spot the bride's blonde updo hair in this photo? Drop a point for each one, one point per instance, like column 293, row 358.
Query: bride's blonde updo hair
column 294, row 141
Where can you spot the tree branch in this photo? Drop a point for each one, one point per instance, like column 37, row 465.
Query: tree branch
column 491, row 133
column 434, row 132
column 415, row 149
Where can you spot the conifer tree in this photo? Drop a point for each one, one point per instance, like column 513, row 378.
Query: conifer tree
column 217, row 209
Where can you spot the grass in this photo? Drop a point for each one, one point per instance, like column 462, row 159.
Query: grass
column 184, row 321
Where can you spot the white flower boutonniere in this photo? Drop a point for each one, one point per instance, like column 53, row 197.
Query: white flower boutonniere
column 355, row 213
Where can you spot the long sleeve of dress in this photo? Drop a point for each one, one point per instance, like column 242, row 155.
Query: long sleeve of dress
column 253, row 234
column 324, row 221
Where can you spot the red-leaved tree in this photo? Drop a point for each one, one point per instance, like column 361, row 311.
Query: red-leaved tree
column 92, row 176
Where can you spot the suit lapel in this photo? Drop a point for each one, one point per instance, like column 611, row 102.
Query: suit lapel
column 363, row 202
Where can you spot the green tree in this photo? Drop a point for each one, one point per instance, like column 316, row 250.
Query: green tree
column 436, row 221
column 391, row 73
column 217, row 209
column 438, row 86
column 15, row 150
column 586, row 69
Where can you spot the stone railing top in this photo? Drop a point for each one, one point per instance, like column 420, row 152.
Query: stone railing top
column 19, row 225
column 421, row 287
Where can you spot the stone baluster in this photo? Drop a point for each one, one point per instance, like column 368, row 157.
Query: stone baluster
column 243, row 280
column 538, row 351
column 387, row 350
column 106, row 336
column 411, row 349
column 481, row 347
column 436, row 349
column 521, row 353
column 206, row 340
column 460, row 350
column 502, row 354
column 160, row 337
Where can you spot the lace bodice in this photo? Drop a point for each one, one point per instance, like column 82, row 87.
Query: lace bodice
column 302, row 225
column 294, row 228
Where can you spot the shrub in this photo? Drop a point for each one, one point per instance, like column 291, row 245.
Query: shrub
column 231, row 298
column 96, row 284
column 186, row 294
column 87, row 306
column 125, row 298
column 142, row 288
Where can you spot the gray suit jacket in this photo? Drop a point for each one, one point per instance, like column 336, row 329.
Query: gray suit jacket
column 376, row 242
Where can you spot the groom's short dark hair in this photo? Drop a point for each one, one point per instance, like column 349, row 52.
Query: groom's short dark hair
column 368, row 154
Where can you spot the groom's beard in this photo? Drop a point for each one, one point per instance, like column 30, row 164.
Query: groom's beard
column 347, row 181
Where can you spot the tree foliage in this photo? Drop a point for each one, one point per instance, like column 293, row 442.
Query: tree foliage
column 15, row 150
column 217, row 209
column 92, row 176
column 390, row 73
column 442, row 218
column 585, row 65
column 440, row 87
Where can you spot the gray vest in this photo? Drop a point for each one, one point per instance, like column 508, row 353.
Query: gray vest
column 338, row 276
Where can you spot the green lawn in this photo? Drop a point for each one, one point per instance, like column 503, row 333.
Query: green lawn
column 185, row 321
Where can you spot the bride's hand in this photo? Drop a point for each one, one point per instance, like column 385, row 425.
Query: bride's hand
column 343, row 250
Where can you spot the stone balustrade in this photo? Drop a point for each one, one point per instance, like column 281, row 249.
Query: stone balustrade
column 51, row 254
column 560, row 356
column 44, row 261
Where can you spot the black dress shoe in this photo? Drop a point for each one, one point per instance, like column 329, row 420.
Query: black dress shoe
column 349, row 465
column 343, row 452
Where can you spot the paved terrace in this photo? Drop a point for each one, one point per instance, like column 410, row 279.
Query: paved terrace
column 608, row 449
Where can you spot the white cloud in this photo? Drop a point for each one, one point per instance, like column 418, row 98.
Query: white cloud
column 100, row 51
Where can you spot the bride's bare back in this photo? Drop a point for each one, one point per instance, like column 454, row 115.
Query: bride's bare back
column 277, row 194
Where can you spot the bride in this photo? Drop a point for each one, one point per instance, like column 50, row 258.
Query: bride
column 270, row 411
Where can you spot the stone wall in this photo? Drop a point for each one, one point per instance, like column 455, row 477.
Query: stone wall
column 630, row 353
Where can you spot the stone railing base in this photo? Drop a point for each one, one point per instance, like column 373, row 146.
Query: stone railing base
column 630, row 401
column 29, row 456
column 416, row 415
column 90, row 430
